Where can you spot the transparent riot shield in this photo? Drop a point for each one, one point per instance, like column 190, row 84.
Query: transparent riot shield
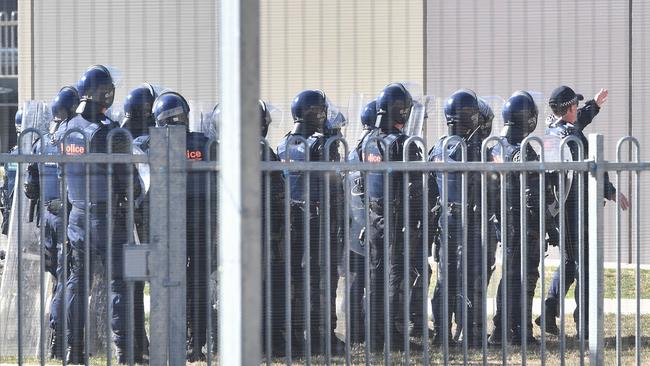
column 416, row 120
column 436, row 124
column 552, row 153
column 37, row 115
column 356, row 103
column 496, row 103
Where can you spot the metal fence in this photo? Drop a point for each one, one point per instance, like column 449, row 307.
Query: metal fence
column 308, row 246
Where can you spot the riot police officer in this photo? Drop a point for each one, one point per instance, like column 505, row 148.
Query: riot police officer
column 394, row 105
column 463, row 117
column 520, row 119
column 96, row 91
column 357, row 225
column 309, row 110
column 137, row 110
column 138, row 118
column 275, row 285
column 170, row 108
column 9, row 181
column 63, row 108
column 569, row 120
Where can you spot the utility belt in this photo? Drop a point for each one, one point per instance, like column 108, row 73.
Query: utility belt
column 93, row 207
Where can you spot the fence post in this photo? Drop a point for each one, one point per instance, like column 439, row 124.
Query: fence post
column 167, row 165
column 596, row 252
column 239, row 190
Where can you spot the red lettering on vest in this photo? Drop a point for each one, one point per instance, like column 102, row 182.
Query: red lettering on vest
column 373, row 158
column 194, row 155
column 74, row 149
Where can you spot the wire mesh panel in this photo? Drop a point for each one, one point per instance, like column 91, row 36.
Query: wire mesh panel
column 427, row 192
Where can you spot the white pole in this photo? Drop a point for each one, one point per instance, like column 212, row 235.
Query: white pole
column 239, row 195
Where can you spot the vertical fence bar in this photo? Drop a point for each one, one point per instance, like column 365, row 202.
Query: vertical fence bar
column 618, row 273
column 562, row 226
column 637, row 214
column 240, row 189
column 406, row 258
column 542, row 252
column 287, row 267
column 596, row 252
column 41, row 210
column 581, row 265
column 366, row 246
column 464, row 222
column 484, row 254
column 387, row 259
column 425, row 265
column 523, row 244
column 327, row 257
column 346, row 264
column 504, row 269
column 307, row 259
column 19, row 246
column 267, row 254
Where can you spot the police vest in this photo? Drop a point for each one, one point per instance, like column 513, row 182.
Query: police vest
column 373, row 153
column 74, row 145
column 296, row 151
column 197, row 149
column 454, row 179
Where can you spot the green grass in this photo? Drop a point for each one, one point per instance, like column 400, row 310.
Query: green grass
column 553, row 355
column 628, row 283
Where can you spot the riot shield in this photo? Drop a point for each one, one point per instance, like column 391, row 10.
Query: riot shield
column 416, row 119
column 496, row 103
column 197, row 121
column 356, row 103
column 36, row 114
column 116, row 112
column 435, row 122
column 552, row 153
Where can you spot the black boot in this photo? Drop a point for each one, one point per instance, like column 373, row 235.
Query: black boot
column 56, row 346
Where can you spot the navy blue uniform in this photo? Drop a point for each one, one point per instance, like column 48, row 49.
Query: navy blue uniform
column 395, row 229
column 357, row 241
column 563, row 129
column 276, row 226
column 513, row 236
column 296, row 152
column 198, row 264
column 95, row 127
column 455, row 243
column 53, row 230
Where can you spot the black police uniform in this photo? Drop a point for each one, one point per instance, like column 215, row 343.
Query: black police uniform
column 563, row 129
column 277, row 262
column 512, row 152
column 295, row 151
column 375, row 193
column 357, row 240
column 95, row 126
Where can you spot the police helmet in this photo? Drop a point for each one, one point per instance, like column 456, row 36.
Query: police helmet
column 369, row 115
column 96, row 86
column 394, row 105
column 520, row 113
column 486, row 116
column 462, row 112
column 170, row 108
column 139, row 102
column 310, row 107
column 18, row 119
column 265, row 117
column 64, row 105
